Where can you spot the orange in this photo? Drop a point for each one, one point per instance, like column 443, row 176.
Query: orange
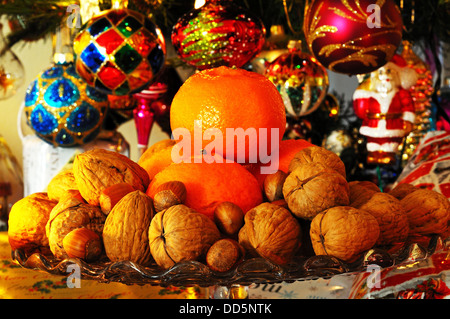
column 287, row 151
column 235, row 99
column 157, row 157
column 209, row 184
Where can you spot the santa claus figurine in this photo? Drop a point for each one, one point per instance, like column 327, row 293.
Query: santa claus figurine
column 386, row 107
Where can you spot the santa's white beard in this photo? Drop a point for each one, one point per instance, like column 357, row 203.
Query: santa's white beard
column 383, row 87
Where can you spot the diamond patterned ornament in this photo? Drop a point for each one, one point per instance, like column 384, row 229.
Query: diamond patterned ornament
column 62, row 109
column 119, row 51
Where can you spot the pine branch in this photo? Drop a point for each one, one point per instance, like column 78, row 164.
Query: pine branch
column 38, row 18
column 34, row 19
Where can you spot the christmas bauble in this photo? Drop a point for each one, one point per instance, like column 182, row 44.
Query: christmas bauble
column 62, row 109
column 423, row 89
column 421, row 93
column 218, row 34
column 300, row 79
column 274, row 46
column 353, row 36
column 119, row 51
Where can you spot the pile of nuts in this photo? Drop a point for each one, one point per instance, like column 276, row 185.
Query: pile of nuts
column 100, row 208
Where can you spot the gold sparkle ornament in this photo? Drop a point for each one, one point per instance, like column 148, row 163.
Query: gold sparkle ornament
column 12, row 72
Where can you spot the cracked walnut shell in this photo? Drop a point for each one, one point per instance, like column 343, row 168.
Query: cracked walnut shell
column 343, row 232
column 270, row 231
column 311, row 188
column 97, row 169
column 180, row 233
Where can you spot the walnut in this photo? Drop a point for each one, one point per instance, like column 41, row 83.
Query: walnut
column 343, row 232
column 98, row 169
column 311, row 188
column 270, row 231
column 67, row 215
column 428, row 212
column 402, row 189
column 60, row 184
column 180, row 233
column 361, row 191
column 125, row 234
column 26, row 223
column 391, row 217
column 317, row 154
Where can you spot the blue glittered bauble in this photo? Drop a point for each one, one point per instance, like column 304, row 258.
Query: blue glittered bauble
column 119, row 52
column 62, row 109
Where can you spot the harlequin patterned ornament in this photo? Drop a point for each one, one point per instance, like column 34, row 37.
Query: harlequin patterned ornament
column 300, row 79
column 353, row 36
column 218, row 34
column 62, row 109
column 119, row 51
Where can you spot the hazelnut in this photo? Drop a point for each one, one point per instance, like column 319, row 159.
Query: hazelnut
column 83, row 243
column 169, row 194
column 273, row 185
column 111, row 195
column 229, row 218
column 224, row 254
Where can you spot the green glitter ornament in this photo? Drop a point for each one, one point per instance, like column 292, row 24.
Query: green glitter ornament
column 218, row 34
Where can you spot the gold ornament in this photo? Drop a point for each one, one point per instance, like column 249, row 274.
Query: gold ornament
column 5, row 81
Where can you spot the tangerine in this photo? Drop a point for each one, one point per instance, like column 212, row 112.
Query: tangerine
column 157, row 157
column 288, row 149
column 209, row 184
column 243, row 108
